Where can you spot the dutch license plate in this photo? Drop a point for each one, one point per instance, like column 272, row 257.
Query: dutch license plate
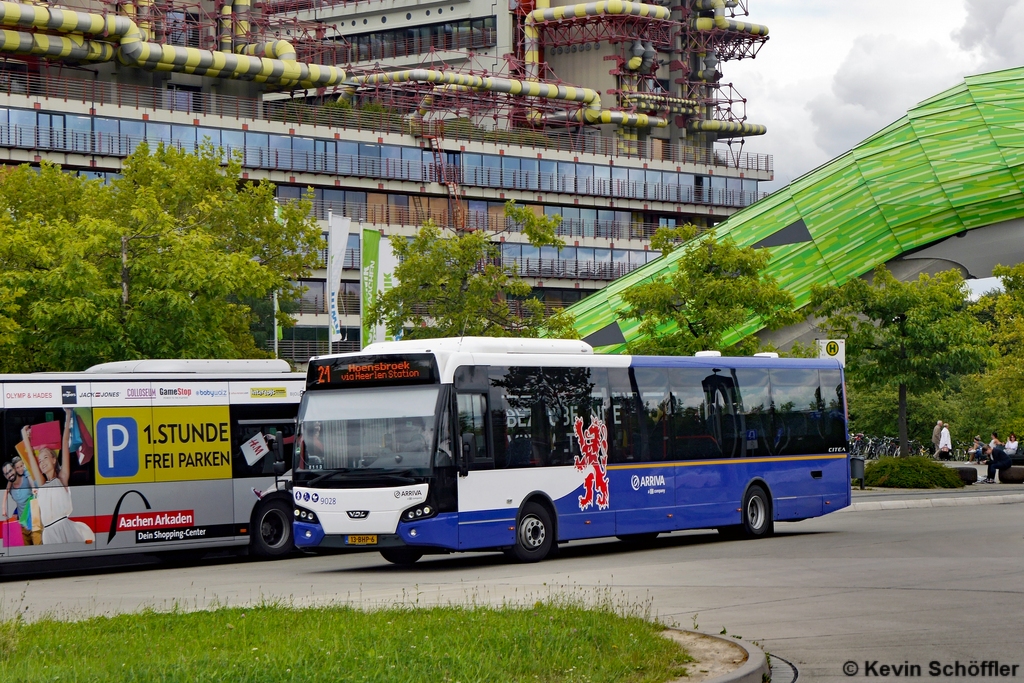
column 362, row 540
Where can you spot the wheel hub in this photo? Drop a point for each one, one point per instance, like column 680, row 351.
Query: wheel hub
column 532, row 532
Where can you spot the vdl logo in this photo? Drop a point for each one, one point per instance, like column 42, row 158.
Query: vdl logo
column 117, row 447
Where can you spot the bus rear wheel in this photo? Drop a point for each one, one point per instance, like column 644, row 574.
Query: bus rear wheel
column 757, row 513
column 401, row 556
column 535, row 534
column 757, row 517
column 271, row 532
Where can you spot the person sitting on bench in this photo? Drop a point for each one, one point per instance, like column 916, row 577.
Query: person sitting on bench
column 998, row 460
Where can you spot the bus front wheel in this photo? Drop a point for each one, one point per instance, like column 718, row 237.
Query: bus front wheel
column 535, row 534
column 271, row 533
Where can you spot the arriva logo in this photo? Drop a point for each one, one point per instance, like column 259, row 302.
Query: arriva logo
column 651, row 480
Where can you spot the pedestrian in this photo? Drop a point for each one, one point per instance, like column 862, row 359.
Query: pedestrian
column 945, row 443
column 995, row 441
column 997, row 461
column 1011, row 446
column 976, row 450
column 936, row 433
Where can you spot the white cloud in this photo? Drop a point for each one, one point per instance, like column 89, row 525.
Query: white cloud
column 993, row 29
column 881, row 77
column 835, row 71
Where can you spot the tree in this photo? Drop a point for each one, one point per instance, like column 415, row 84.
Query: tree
column 455, row 285
column 716, row 288
column 156, row 263
column 911, row 336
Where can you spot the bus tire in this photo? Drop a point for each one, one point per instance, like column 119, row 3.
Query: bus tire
column 401, row 556
column 535, row 534
column 757, row 513
column 271, row 531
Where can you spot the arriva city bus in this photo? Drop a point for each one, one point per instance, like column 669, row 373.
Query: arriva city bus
column 447, row 445
column 147, row 456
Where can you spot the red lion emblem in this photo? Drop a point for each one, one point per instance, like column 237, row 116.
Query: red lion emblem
column 594, row 461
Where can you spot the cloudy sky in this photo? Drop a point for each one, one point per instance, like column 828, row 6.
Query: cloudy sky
column 836, row 71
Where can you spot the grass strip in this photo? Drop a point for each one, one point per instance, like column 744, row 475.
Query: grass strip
column 544, row 642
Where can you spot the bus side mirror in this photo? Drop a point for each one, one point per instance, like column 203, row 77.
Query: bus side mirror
column 275, row 447
column 280, row 468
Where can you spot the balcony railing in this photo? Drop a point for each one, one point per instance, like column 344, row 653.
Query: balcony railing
column 390, row 215
column 573, row 270
column 302, row 351
column 298, row 112
column 348, row 304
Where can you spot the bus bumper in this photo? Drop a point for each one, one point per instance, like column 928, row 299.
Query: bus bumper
column 307, row 535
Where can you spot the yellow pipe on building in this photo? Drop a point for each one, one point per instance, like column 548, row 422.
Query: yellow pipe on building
column 531, row 34
column 134, row 50
column 720, row 21
column 727, row 128
column 57, row 47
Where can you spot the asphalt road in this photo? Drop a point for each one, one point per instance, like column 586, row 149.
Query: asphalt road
column 916, row 585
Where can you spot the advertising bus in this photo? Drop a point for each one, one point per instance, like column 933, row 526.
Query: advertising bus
column 420, row 447
column 147, row 456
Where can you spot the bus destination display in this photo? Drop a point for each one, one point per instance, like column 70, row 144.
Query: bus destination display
column 368, row 371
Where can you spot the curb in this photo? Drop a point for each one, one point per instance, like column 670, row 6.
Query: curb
column 754, row 670
column 960, row 501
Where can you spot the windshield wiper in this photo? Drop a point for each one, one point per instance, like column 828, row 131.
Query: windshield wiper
column 326, row 476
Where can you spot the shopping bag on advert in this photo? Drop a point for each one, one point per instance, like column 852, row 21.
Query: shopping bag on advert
column 80, row 432
column 12, row 533
column 46, row 434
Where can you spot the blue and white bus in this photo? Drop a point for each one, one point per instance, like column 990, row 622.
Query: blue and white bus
column 470, row 444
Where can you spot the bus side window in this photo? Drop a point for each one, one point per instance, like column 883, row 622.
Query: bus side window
column 796, row 402
column 694, row 436
column 249, row 424
column 832, row 405
column 726, row 420
column 655, row 413
column 473, row 430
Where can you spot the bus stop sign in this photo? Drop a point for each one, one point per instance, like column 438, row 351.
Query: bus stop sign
column 833, row 348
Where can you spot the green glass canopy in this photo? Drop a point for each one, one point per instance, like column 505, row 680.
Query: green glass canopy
column 955, row 162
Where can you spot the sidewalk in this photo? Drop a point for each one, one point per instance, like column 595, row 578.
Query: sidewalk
column 900, row 499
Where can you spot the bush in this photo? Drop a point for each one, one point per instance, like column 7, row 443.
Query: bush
column 911, row 473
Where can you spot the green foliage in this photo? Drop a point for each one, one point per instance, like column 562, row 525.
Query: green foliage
column 717, row 287
column 180, row 234
column 666, row 240
column 911, row 473
column 452, row 286
column 907, row 336
column 543, row 642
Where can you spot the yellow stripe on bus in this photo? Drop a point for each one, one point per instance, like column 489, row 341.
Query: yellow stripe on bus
column 734, row 461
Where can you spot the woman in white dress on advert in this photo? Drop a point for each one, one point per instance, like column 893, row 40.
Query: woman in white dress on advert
column 54, row 495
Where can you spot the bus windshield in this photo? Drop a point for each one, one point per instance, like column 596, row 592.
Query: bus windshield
column 376, row 430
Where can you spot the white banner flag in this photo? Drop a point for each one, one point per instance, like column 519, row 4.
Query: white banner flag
column 378, row 276
column 337, row 239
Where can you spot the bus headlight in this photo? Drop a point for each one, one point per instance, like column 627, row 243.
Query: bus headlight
column 422, row 511
column 307, row 516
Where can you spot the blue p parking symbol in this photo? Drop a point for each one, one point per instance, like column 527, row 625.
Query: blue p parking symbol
column 117, row 447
